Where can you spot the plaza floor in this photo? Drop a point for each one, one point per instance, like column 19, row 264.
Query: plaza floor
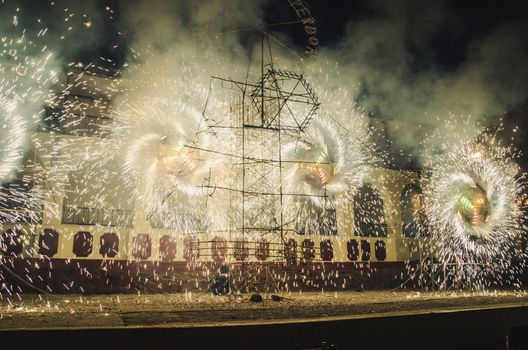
column 202, row 309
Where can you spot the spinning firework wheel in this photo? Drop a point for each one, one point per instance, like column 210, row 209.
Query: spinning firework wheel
column 473, row 208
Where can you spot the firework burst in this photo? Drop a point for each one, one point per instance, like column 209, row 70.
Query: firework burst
column 473, row 206
column 12, row 135
column 160, row 164
column 169, row 157
column 25, row 77
column 328, row 164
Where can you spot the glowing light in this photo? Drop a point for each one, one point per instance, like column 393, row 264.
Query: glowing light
column 327, row 162
column 472, row 206
column 12, row 136
column 23, row 88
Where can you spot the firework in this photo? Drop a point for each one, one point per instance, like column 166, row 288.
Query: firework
column 24, row 80
column 325, row 162
column 328, row 164
column 158, row 163
column 473, row 206
column 156, row 144
column 169, row 158
column 12, row 135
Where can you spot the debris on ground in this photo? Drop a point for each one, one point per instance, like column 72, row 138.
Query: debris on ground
column 276, row 297
column 31, row 311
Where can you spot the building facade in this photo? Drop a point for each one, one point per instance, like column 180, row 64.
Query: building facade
column 67, row 242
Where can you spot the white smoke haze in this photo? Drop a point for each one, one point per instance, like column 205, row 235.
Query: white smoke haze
column 192, row 29
column 379, row 53
column 27, row 70
column 376, row 59
column 184, row 44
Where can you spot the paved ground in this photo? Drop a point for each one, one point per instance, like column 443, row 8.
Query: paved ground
column 184, row 310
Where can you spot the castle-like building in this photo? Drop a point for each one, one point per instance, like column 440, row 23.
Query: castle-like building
column 66, row 241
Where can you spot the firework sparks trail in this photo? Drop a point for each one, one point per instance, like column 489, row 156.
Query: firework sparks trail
column 329, row 164
column 25, row 77
column 12, row 133
column 180, row 166
column 161, row 142
column 472, row 202
column 158, row 164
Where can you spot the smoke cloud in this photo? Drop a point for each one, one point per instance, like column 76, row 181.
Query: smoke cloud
column 386, row 52
column 388, row 59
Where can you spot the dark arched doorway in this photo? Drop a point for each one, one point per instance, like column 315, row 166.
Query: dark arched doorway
column 369, row 217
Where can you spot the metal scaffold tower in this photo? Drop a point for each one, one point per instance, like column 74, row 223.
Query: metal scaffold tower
column 275, row 109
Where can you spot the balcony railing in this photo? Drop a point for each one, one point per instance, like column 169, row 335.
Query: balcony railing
column 366, row 229
column 194, row 223
column 17, row 216
column 417, row 228
column 96, row 216
column 86, row 125
column 76, row 124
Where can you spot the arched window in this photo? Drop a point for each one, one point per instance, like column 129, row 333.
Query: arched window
column 316, row 220
column 109, row 246
column 83, row 204
column 167, row 248
column 380, row 250
column 290, row 250
column 369, row 217
column 308, row 250
column 365, row 250
column 141, row 246
column 326, row 250
column 352, row 250
column 412, row 214
column 219, row 249
column 191, row 248
column 48, row 242
column 241, row 250
column 11, row 242
column 262, row 249
column 82, row 244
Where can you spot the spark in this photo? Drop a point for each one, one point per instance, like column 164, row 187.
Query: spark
column 24, row 64
column 13, row 130
column 472, row 202
column 328, row 165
